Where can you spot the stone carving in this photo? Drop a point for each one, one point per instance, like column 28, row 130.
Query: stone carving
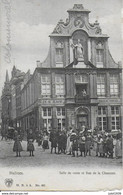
column 57, row 29
column 59, row 44
column 67, row 22
column 99, row 45
column 98, row 30
column 78, row 6
column 79, row 22
column 78, row 50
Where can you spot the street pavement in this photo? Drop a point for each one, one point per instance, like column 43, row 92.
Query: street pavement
column 46, row 159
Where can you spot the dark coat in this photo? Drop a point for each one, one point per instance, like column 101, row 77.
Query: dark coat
column 30, row 146
column 17, row 145
column 53, row 139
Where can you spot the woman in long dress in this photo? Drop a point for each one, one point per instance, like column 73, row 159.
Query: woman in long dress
column 118, row 148
column 45, row 144
column 101, row 151
column 69, row 143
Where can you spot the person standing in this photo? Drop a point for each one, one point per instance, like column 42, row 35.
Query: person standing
column 118, row 148
column 60, row 142
column 74, row 144
column 39, row 139
column 96, row 144
column 69, row 142
column 45, row 144
column 30, row 145
column 53, row 140
column 101, row 151
column 88, row 144
column 30, row 135
column 64, row 141
column 17, row 144
column 36, row 134
column 109, row 143
column 82, row 144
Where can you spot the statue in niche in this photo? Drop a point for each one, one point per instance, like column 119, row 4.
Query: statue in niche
column 78, row 50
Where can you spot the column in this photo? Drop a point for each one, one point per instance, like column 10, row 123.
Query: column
column 54, row 119
column 109, row 118
column 89, row 50
column 53, row 85
column 68, row 85
column 94, row 85
column 93, row 115
column 107, row 84
column 40, row 118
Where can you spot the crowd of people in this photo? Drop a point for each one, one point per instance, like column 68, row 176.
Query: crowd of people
column 83, row 143
column 72, row 142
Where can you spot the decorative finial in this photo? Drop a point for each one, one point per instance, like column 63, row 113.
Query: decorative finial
column 78, row 6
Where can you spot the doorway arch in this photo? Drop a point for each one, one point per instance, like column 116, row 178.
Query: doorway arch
column 82, row 117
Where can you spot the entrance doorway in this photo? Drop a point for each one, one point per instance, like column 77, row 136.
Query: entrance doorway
column 82, row 117
column 82, row 120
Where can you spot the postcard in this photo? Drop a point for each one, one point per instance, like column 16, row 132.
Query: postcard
column 61, row 88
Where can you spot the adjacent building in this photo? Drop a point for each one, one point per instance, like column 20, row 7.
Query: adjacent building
column 79, row 84
column 6, row 104
column 11, row 99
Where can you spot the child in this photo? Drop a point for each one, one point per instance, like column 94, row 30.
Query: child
column 30, row 147
column 17, row 146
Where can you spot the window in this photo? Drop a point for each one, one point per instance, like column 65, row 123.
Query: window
column 47, row 118
column 47, row 112
column 102, row 118
column 59, row 55
column 45, row 85
column 114, row 85
column 99, row 55
column 101, row 85
column 59, row 85
column 115, row 119
column 81, row 79
column 47, row 124
column 60, row 113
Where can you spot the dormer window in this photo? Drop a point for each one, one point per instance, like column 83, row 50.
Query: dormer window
column 59, row 54
column 99, row 55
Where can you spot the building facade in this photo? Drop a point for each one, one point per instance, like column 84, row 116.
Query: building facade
column 79, row 84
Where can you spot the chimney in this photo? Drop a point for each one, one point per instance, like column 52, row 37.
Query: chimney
column 38, row 63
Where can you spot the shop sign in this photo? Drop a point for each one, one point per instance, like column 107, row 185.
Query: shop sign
column 50, row 102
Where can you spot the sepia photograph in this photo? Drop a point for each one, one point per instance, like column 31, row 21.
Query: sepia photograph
column 61, row 89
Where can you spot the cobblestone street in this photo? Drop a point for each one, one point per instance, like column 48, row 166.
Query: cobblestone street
column 45, row 158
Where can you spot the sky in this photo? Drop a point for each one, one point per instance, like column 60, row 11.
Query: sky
column 30, row 22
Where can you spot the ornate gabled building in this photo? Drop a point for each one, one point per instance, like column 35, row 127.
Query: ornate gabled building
column 79, row 83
